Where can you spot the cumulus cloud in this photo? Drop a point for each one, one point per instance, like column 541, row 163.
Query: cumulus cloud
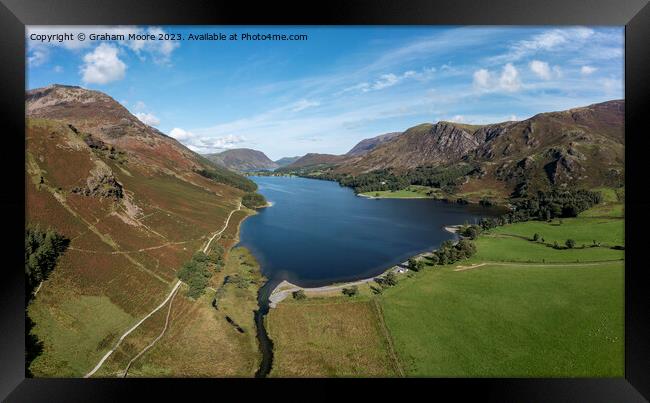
column 102, row 65
column 541, row 69
column 482, row 78
column 148, row 118
column 508, row 80
column 160, row 51
column 37, row 57
column 180, row 134
column 586, row 70
column 206, row 144
column 457, row 119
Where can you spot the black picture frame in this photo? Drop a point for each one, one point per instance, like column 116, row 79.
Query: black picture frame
column 633, row 14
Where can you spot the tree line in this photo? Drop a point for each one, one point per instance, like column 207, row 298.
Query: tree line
column 227, row 177
column 42, row 251
column 445, row 178
column 545, row 206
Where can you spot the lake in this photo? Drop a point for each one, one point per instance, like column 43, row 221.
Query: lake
column 317, row 232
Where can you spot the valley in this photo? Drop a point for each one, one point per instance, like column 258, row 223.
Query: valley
column 537, row 291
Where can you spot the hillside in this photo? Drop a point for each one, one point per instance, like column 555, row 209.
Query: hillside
column 579, row 147
column 283, row 162
column 126, row 195
column 314, row 160
column 367, row 145
column 243, row 159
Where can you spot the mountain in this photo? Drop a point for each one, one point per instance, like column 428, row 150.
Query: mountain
column 136, row 205
column 243, row 159
column 314, row 161
column 283, row 162
column 578, row 147
column 367, row 145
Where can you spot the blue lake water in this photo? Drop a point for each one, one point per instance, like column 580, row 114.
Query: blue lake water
column 318, row 232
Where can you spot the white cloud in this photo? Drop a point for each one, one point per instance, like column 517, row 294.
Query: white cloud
column 102, row 65
column 180, row 134
column 513, row 118
column 385, row 81
column 159, row 50
column 148, row 118
column 206, row 144
column 586, row 70
column 390, row 79
column 551, row 40
column 541, row 69
column 37, row 57
column 509, row 80
column 304, row 104
column 482, row 78
column 140, row 106
column 457, row 119
column 58, row 69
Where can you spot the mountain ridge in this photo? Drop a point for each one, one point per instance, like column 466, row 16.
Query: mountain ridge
column 243, row 159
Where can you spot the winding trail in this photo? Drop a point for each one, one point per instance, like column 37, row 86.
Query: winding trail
column 205, row 250
column 169, row 311
column 169, row 297
column 99, row 364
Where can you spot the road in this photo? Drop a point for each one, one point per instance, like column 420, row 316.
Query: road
column 169, row 296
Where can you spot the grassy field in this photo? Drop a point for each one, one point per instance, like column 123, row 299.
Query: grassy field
column 510, row 321
column 411, row 192
column 331, row 337
column 528, row 311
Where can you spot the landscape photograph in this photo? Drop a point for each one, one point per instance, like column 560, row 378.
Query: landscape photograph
column 324, row 201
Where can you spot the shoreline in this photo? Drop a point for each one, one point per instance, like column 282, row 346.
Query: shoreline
column 395, row 198
column 285, row 288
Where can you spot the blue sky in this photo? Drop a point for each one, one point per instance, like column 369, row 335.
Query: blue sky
column 341, row 85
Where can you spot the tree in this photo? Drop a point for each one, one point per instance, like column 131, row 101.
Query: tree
column 253, row 200
column 415, row 265
column 536, row 237
column 570, row 243
column 351, row 292
column 299, row 295
column 390, row 278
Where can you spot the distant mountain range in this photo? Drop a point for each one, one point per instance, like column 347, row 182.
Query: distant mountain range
column 243, row 159
column 283, row 162
column 578, row 147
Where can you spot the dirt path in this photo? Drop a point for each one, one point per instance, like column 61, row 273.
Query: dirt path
column 169, row 311
column 205, row 250
column 99, row 364
column 169, row 297
column 568, row 264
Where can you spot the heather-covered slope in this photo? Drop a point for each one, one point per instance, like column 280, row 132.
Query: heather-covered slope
column 367, row 145
column 135, row 207
column 581, row 146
